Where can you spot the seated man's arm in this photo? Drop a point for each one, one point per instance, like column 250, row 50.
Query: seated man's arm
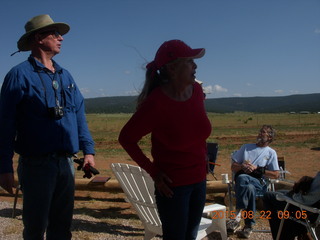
column 249, row 168
column 271, row 174
column 236, row 167
column 246, row 167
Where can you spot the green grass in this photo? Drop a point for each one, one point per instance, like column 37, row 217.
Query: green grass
column 229, row 123
column 105, row 129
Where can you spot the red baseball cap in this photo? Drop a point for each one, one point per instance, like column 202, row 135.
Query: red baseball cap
column 172, row 50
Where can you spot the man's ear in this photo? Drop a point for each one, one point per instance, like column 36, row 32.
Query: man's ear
column 37, row 38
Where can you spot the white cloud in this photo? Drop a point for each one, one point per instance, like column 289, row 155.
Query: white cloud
column 127, row 72
column 278, row 91
column 132, row 93
column 237, row 95
column 317, row 31
column 294, row 91
column 89, row 93
column 249, row 84
column 85, row 90
column 218, row 88
column 207, row 89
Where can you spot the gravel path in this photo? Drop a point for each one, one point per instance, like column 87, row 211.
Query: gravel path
column 103, row 216
column 90, row 227
column 84, row 227
column 10, row 227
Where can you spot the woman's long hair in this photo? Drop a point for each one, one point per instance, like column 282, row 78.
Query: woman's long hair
column 154, row 78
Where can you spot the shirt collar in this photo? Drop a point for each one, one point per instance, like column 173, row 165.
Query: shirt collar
column 38, row 66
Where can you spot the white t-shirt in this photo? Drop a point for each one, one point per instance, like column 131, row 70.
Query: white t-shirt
column 258, row 156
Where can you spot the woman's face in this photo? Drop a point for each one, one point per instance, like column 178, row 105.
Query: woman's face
column 184, row 71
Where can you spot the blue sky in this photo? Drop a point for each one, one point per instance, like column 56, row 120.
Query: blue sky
column 253, row 47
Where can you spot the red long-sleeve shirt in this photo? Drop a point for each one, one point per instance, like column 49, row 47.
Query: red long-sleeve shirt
column 178, row 135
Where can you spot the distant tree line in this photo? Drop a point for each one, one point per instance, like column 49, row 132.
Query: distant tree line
column 293, row 103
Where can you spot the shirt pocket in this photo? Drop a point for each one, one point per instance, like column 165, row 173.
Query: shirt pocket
column 69, row 92
column 264, row 161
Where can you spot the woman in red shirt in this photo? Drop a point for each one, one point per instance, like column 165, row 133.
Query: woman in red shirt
column 171, row 108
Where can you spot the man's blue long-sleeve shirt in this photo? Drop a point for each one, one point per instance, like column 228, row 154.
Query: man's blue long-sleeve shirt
column 25, row 125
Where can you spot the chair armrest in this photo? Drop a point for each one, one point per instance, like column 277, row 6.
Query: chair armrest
column 282, row 197
column 273, row 181
column 213, row 207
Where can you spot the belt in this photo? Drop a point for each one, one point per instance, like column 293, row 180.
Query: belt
column 50, row 155
column 60, row 154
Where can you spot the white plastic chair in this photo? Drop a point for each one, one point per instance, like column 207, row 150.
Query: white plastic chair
column 138, row 187
column 303, row 219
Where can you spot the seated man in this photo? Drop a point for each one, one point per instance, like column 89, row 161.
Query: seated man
column 306, row 191
column 251, row 164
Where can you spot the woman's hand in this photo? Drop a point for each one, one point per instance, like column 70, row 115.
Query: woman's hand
column 161, row 182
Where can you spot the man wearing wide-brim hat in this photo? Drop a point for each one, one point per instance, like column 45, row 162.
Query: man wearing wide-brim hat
column 42, row 119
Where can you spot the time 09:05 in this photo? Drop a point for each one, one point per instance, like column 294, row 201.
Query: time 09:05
column 263, row 214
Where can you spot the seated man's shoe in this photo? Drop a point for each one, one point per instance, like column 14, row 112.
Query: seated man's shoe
column 245, row 232
column 232, row 226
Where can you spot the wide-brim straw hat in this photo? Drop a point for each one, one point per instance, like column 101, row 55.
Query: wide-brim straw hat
column 37, row 23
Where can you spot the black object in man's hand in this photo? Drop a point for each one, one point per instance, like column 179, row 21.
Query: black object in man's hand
column 88, row 170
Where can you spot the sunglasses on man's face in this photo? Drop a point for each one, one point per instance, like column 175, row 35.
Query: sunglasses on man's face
column 54, row 33
column 263, row 131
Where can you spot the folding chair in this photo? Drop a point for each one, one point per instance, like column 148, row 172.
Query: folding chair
column 282, row 174
column 230, row 198
column 282, row 166
column 299, row 218
column 212, row 152
column 270, row 182
column 138, row 187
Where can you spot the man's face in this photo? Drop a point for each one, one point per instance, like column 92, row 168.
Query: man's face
column 264, row 136
column 50, row 41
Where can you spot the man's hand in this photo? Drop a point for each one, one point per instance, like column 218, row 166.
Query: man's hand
column 7, row 182
column 87, row 165
column 248, row 167
column 89, row 158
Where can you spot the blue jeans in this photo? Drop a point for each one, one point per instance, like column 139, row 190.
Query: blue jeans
column 181, row 214
column 247, row 188
column 47, row 184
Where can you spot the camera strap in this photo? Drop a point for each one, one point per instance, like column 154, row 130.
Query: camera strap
column 55, row 86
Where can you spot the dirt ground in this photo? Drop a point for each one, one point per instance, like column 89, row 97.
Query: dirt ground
column 117, row 218
column 301, row 152
column 105, row 216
